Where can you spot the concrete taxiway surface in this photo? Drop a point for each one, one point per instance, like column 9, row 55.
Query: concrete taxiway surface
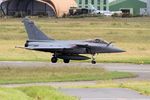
column 143, row 72
column 105, row 94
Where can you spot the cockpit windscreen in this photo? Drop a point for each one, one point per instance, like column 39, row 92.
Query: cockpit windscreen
column 98, row 41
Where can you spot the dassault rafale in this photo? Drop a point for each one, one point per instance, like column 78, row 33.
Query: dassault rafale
column 65, row 49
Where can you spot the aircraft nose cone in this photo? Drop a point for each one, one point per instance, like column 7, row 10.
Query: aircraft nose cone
column 116, row 50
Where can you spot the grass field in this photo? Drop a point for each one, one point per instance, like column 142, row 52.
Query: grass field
column 51, row 74
column 33, row 93
column 36, row 92
column 130, row 34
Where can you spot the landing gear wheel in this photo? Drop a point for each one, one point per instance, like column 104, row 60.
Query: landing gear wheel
column 66, row 60
column 93, row 59
column 54, row 60
column 93, row 62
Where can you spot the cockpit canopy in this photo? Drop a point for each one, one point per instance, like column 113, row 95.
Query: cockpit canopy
column 97, row 41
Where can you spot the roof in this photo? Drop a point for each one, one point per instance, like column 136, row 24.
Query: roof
column 60, row 7
column 115, row 0
column 120, row 1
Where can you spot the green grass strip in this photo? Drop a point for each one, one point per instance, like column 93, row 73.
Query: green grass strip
column 33, row 93
column 60, row 74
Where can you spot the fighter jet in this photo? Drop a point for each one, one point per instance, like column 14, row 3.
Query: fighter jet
column 102, row 12
column 65, row 49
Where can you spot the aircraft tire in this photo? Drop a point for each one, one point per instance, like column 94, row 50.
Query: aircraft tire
column 54, row 60
column 93, row 62
column 66, row 60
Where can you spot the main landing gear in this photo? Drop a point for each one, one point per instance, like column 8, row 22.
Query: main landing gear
column 54, row 59
column 66, row 60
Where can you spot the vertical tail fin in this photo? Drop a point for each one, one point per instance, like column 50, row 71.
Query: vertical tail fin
column 33, row 32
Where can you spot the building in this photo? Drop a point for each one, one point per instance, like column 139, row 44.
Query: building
column 36, row 7
column 98, row 4
column 0, row 9
column 148, row 7
column 134, row 7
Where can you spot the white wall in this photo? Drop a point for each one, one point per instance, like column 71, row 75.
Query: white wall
column 148, row 7
column 111, row 0
column 0, row 1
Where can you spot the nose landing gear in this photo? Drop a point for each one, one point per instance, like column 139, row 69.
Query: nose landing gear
column 93, row 59
column 93, row 62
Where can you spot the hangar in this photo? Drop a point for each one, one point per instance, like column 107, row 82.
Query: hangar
column 134, row 7
column 56, row 8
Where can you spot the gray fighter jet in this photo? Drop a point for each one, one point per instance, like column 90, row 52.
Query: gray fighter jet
column 65, row 49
